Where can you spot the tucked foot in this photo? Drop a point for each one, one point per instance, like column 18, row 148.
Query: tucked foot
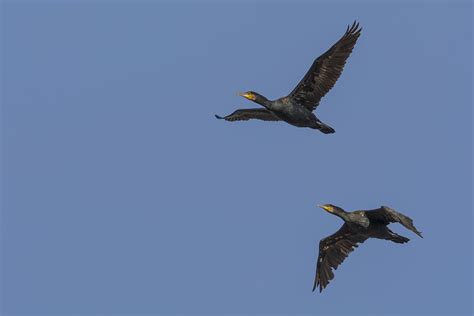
column 399, row 239
column 326, row 129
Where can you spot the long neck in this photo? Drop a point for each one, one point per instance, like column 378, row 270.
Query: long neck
column 263, row 101
column 342, row 214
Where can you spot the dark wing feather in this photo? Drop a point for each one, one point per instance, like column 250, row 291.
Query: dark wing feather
column 325, row 70
column 387, row 215
column 332, row 252
column 248, row 114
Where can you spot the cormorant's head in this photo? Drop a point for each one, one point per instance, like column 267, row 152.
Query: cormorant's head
column 330, row 208
column 255, row 97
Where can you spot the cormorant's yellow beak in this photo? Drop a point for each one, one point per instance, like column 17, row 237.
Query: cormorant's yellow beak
column 327, row 208
column 248, row 95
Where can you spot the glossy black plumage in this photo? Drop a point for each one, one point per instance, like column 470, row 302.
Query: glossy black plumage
column 358, row 227
column 248, row 114
column 296, row 108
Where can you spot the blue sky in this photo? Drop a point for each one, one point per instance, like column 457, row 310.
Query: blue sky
column 122, row 194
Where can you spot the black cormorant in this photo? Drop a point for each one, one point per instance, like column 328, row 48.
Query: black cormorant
column 357, row 227
column 297, row 108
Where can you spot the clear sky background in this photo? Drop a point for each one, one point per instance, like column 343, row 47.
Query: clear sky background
column 122, row 194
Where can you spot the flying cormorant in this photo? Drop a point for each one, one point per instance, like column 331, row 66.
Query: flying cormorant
column 297, row 107
column 357, row 227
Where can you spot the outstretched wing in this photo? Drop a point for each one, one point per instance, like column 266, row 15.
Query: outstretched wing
column 248, row 114
column 332, row 252
column 387, row 215
column 325, row 70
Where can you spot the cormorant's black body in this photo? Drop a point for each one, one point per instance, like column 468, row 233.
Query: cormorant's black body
column 297, row 108
column 286, row 109
column 358, row 227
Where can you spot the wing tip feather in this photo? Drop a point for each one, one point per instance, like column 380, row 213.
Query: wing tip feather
column 354, row 29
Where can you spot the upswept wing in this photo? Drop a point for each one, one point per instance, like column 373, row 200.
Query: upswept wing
column 249, row 114
column 387, row 215
column 325, row 70
column 333, row 250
